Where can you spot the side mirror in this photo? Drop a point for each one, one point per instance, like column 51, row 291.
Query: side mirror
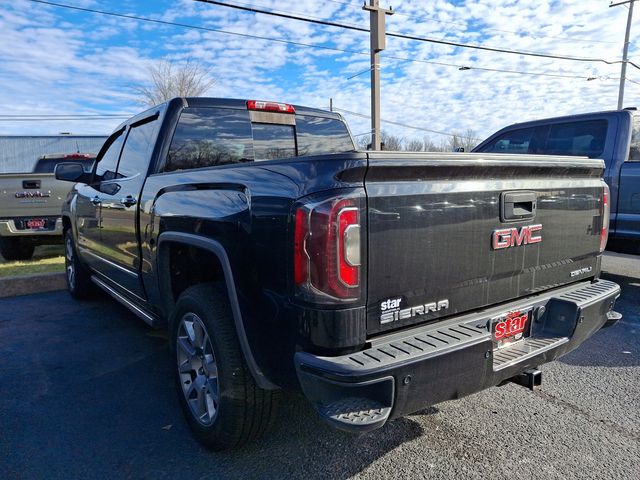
column 71, row 172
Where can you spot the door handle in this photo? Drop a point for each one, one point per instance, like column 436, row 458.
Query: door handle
column 129, row 201
column 96, row 200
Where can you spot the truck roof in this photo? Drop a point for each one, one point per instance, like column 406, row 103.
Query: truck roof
column 237, row 103
column 567, row 118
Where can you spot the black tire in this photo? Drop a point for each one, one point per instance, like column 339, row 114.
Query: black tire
column 77, row 275
column 239, row 411
column 16, row 248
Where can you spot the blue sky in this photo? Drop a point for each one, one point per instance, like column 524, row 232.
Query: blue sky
column 58, row 61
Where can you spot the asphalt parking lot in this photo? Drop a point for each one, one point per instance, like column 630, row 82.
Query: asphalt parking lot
column 86, row 392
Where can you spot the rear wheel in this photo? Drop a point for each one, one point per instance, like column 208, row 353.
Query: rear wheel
column 16, row 248
column 77, row 275
column 219, row 398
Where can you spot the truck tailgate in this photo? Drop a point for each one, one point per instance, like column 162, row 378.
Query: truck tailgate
column 31, row 194
column 439, row 242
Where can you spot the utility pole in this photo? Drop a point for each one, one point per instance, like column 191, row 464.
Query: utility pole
column 625, row 50
column 378, row 43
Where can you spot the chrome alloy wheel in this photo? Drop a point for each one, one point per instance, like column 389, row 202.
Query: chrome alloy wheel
column 197, row 369
column 70, row 267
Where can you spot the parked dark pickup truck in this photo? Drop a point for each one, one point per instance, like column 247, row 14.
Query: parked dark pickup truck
column 378, row 283
column 613, row 136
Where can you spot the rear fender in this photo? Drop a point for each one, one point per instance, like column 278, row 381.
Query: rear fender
column 214, row 247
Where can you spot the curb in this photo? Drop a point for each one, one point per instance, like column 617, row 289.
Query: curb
column 28, row 284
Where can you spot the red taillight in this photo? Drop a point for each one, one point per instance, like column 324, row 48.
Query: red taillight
column 77, row 155
column 301, row 260
column 270, row 106
column 327, row 250
column 604, row 233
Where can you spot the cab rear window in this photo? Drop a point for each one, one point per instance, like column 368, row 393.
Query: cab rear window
column 271, row 141
column 208, row 136
column 48, row 165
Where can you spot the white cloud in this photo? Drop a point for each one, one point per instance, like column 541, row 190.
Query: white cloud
column 50, row 63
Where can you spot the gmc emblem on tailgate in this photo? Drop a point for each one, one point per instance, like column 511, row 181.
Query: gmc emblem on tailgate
column 514, row 237
column 36, row 194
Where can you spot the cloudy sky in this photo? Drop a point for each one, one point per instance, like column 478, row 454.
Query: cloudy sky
column 55, row 60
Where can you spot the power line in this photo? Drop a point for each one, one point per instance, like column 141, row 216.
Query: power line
column 416, row 38
column 300, row 44
column 289, row 12
column 533, row 35
column 196, row 27
column 306, row 16
column 362, row 115
column 75, row 115
column 56, row 119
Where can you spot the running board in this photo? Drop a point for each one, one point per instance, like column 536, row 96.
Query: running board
column 149, row 318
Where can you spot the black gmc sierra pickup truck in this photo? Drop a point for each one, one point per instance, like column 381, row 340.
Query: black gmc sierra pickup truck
column 377, row 283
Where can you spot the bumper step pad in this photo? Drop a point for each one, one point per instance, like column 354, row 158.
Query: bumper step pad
column 355, row 414
column 522, row 350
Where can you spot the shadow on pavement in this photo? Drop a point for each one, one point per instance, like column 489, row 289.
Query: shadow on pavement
column 87, row 392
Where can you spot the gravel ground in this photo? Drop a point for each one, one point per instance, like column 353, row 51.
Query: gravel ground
column 86, row 392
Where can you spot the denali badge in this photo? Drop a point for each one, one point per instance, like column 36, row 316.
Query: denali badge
column 512, row 237
column 391, row 311
column 36, row 194
column 575, row 273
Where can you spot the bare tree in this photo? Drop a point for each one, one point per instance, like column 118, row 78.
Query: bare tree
column 168, row 80
column 429, row 146
column 414, row 146
column 391, row 142
column 469, row 140
column 363, row 142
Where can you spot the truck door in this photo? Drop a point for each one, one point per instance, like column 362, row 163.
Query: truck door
column 628, row 207
column 119, row 237
column 88, row 202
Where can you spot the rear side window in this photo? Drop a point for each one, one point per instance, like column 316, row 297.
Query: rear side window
column 207, row 137
column 318, row 135
column 515, row 141
column 137, row 149
column 634, row 151
column 584, row 138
